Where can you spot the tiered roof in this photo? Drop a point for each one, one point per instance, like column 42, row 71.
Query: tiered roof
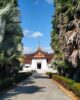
column 39, row 54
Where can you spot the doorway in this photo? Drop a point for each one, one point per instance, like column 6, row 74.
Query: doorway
column 38, row 65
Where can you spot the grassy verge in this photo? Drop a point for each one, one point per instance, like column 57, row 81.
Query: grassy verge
column 67, row 83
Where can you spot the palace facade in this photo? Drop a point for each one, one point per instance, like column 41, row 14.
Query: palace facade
column 39, row 61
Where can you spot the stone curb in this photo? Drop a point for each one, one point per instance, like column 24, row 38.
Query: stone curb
column 68, row 92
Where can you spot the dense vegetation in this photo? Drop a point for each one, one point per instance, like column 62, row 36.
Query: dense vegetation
column 10, row 38
column 66, row 37
column 8, row 83
column 66, row 83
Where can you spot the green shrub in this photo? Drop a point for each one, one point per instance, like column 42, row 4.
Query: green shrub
column 68, row 83
column 64, row 81
column 5, row 83
column 22, row 76
column 76, row 89
column 49, row 74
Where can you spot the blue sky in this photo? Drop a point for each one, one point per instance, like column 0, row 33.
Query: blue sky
column 36, row 16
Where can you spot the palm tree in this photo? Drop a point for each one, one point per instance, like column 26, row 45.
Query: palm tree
column 11, row 46
column 67, row 25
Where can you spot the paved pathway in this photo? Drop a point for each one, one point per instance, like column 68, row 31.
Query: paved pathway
column 37, row 87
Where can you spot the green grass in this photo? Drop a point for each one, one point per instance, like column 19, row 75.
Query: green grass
column 67, row 83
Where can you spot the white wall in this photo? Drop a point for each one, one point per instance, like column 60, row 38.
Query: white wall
column 33, row 66
column 42, row 61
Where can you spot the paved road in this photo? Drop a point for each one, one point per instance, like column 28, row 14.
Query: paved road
column 37, row 87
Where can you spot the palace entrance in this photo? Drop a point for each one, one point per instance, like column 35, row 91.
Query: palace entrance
column 38, row 65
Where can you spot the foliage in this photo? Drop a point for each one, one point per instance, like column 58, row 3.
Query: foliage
column 65, row 39
column 55, row 39
column 67, row 83
column 59, row 63
column 10, row 35
column 50, row 74
column 22, row 76
column 5, row 83
column 8, row 82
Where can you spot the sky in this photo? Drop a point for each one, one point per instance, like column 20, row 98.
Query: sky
column 36, row 16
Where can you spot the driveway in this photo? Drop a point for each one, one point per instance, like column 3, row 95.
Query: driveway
column 37, row 87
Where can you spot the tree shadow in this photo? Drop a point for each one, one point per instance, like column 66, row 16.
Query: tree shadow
column 28, row 81
column 21, row 89
column 26, row 87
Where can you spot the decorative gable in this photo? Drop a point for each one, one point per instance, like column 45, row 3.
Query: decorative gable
column 39, row 55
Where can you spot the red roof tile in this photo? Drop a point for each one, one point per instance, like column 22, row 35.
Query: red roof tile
column 39, row 54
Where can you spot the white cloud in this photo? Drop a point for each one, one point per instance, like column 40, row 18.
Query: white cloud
column 32, row 34
column 26, row 32
column 36, row 2
column 36, row 35
column 49, row 1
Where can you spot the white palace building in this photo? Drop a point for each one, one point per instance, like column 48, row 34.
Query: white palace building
column 39, row 61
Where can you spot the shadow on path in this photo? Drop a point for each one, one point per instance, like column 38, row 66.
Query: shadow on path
column 26, row 87
column 37, row 87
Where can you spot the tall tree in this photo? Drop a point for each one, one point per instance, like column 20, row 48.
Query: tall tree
column 66, row 22
column 11, row 34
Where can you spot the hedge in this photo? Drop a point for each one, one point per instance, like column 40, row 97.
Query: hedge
column 22, row 76
column 50, row 74
column 7, row 82
column 67, row 83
